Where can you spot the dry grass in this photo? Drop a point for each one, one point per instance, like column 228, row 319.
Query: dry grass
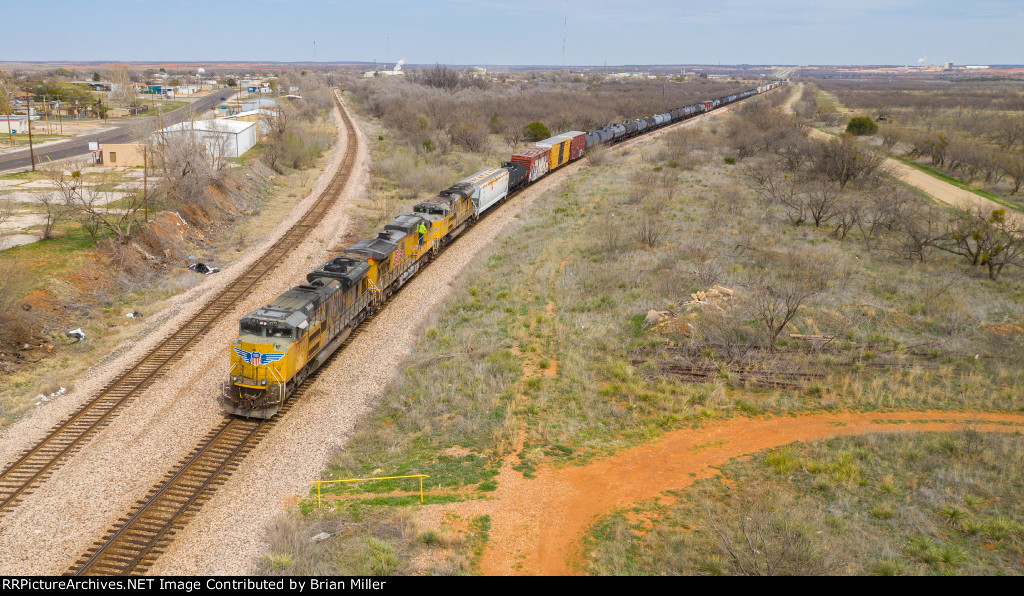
column 908, row 504
column 573, row 284
column 74, row 282
column 372, row 543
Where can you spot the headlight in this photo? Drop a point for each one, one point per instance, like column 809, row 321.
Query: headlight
column 263, row 382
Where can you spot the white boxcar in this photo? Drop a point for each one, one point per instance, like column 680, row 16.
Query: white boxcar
column 489, row 187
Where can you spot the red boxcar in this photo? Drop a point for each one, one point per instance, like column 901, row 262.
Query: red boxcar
column 578, row 145
column 536, row 159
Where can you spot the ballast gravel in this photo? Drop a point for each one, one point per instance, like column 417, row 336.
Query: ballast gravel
column 229, row 534
column 55, row 524
column 62, row 518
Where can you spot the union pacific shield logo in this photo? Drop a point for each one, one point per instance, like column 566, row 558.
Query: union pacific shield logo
column 257, row 358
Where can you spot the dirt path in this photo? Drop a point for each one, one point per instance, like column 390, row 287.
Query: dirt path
column 937, row 189
column 537, row 525
column 787, row 107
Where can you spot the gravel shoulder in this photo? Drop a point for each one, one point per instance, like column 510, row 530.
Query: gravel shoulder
column 86, row 494
column 228, row 536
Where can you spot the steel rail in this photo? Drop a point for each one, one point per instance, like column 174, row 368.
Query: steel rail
column 67, row 437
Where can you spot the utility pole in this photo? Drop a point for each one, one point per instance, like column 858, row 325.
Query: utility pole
column 565, row 26
column 31, row 151
column 145, row 182
column 10, row 109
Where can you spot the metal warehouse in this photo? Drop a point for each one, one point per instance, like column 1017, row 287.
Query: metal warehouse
column 223, row 138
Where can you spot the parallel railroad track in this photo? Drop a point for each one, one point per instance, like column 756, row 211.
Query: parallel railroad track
column 67, row 437
column 137, row 539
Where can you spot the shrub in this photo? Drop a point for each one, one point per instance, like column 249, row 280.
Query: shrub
column 861, row 125
column 536, row 131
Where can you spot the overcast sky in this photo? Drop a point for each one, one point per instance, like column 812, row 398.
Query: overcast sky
column 520, row 31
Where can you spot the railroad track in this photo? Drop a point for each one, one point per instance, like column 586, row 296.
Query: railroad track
column 37, row 463
column 137, row 539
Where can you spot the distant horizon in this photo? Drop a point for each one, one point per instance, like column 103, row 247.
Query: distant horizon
column 523, row 32
column 101, row 62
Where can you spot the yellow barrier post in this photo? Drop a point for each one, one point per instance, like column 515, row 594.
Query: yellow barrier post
column 320, row 482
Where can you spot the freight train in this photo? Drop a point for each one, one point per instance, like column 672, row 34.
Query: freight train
column 279, row 345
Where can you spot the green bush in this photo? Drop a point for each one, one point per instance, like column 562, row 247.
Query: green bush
column 861, row 125
column 536, row 131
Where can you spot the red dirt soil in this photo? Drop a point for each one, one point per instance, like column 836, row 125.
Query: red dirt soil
column 537, row 525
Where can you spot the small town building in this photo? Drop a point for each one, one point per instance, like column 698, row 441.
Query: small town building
column 130, row 111
column 265, row 117
column 222, row 137
column 121, row 155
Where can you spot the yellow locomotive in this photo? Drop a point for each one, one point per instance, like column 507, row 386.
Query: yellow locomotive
column 280, row 344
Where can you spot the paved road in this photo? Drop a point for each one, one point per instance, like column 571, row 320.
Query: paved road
column 122, row 133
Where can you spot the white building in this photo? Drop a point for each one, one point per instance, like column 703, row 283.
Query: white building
column 223, row 138
column 396, row 71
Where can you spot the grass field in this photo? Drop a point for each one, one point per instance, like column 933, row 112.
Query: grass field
column 542, row 353
column 902, row 504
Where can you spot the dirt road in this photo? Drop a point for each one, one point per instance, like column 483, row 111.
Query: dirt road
column 937, row 189
column 537, row 525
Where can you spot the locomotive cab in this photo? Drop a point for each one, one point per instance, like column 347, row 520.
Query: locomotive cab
column 264, row 359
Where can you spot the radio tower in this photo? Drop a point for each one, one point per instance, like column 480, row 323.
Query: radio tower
column 565, row 23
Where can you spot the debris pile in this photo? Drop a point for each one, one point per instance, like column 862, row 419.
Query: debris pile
column 203, row 268
column 76, row 334
column 41, row 398
column 715, row 296
column 654, row 316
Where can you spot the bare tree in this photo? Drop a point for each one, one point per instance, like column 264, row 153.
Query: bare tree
column 768, row 543
column 93, row 212
column 185, row 170
column 122, row 91
column 992, row 240
column 1007, row 132
column 919, row 231
column 848, row 214
column 1012, row 164
column 823, row 200
column 778, row 296
column 439, row 76
column 56, row 210
column 650, row 229
column 843, row 161
column 776, row 187
column 61, row 204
